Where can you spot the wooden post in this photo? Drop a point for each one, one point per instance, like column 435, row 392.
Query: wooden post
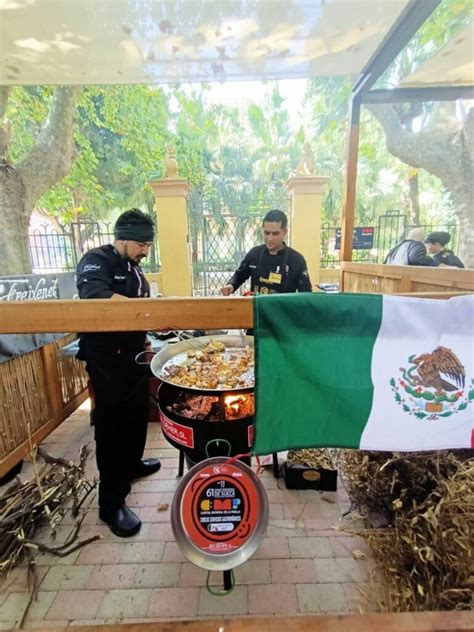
column 53, row 383
column 306, row 194
column 350, row 182
column 172, row 221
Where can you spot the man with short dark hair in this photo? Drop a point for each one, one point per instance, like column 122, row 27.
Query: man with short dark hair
column 120, row 385
column 436, row 244
column 273, row 267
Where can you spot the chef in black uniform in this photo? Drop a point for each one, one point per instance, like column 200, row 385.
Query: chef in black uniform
column 436, row 245
column 120, row 384
column 273, row 267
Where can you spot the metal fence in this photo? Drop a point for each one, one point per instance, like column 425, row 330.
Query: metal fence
column 59, row 249
column 390, row 230
column 218, row 246
column 222, row 230
column 218, row 243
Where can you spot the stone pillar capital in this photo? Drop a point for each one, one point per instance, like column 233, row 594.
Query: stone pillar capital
column 306, row 185
column 170, row 187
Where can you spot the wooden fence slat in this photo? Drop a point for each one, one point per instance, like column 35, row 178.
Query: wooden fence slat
column 390, row 279
column 36, row 394
column 53, row 386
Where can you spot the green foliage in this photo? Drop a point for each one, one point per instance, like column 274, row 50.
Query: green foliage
column 382, row 182
column 120, row 136
column 27, row 109
column 234, row 157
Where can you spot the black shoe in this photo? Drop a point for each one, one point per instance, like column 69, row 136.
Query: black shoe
column 123, row 522
column 147, row 467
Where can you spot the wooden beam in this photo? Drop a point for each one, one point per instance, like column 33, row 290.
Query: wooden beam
column 452, row 279
column 373, row 622
column 141, row 314
column 135, row 315
column 350, row 182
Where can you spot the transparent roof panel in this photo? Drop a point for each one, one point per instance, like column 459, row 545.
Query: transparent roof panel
column 148, row 41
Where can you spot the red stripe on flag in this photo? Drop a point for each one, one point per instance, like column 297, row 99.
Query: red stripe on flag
column 472, row 438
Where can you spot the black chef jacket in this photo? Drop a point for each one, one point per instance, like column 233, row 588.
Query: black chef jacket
column 282, row 273
column 448, row 258
column 409, row 253
column 100, row 273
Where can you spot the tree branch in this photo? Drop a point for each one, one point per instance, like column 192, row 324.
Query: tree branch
column 431, row 149
column 4, row 94
column 52, row 156
column 5, row 129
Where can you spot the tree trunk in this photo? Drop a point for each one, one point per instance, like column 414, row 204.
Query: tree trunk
column 14, row 220
column 463, row 200
column 413, row 196
column 444, row 148
column 22, row 184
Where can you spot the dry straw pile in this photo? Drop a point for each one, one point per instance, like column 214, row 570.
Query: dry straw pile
column 420, row 512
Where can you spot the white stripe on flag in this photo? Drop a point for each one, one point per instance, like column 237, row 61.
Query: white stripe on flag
column 410, row 327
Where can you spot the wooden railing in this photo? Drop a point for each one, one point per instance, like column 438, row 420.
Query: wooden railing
column 386, row 279
column 41, row 388
column 371, row 622
column 38, row 390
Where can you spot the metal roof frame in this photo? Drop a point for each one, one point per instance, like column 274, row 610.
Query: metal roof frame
column 410, row 20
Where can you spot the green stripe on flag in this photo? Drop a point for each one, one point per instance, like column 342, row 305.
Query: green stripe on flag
column 313, row 384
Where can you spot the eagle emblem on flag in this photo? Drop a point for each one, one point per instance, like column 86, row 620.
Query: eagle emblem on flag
column 434, row 385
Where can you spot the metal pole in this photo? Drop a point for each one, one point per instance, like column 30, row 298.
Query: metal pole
column 227, row 580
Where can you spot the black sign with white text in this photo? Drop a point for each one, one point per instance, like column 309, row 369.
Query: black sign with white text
column 38, row 287
column 362, row 238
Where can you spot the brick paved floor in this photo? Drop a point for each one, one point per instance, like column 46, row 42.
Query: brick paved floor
column 302, row 566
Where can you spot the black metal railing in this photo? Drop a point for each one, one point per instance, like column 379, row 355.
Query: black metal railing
column 59, row 248
column 390, row 230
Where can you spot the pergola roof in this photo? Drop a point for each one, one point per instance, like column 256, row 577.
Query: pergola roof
column 452, row 65
column 151, row 41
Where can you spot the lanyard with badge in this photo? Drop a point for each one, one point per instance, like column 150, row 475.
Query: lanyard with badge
column 274, row 278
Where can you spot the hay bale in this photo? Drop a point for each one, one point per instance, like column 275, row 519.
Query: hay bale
column 419, row 509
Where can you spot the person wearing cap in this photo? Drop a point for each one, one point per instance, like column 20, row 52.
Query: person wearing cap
column 120, row 385
column 436, row 244
column 410, row 252
column 273, row 267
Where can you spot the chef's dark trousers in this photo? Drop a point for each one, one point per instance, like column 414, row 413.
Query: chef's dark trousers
column 120, row 419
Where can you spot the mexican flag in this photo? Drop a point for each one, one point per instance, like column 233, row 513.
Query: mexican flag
column 363, row 371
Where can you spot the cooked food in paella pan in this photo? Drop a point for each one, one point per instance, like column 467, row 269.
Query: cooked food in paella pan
column 213, row 367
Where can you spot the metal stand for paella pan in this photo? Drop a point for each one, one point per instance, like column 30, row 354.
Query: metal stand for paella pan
column 220, row 509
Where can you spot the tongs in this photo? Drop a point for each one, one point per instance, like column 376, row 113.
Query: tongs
column 194, row 342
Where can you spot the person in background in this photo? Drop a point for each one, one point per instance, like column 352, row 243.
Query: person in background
column 120, row 385
column 410, row 252
column 273, row 267
column 436, row 244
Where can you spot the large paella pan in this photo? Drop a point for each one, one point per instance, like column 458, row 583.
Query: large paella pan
column 221, row 363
